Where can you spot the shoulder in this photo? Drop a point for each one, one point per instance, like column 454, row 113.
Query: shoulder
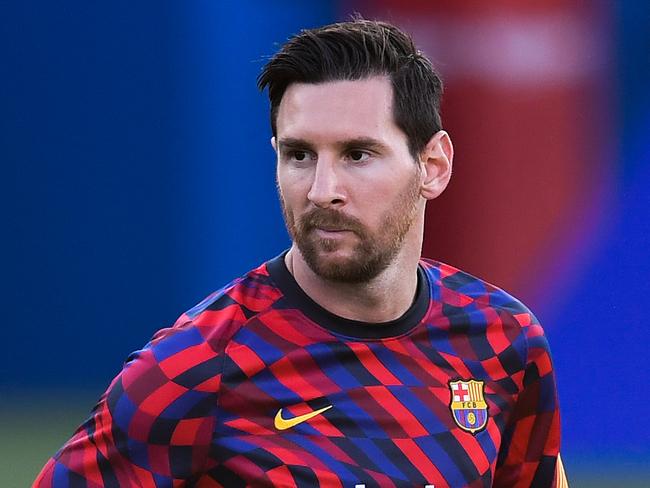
column 218, row 317
column 188, row 356
column 462, row 292
column 491, row 321
column 450, row 281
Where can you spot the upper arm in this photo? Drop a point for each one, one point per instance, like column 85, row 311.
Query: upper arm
column 529, row 455
column 154, row 424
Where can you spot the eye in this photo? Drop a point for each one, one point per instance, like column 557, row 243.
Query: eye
column 299, row 155
column 358, row 156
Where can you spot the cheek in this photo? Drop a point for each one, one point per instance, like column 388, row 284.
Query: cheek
column 286, row 194
column 293, row 189
column 290, row 202
column 390, row 199
column 376, row 201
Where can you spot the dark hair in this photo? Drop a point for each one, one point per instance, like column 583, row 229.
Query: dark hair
column 355, row 50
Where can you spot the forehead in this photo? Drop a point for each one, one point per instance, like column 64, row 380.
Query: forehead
column 338, row 109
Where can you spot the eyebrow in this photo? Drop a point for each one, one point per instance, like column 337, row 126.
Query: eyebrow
column 293, row 143
column 347, row 144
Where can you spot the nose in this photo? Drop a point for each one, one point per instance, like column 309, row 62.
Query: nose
column 325, row 191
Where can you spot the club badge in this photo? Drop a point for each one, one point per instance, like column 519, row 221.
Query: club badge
column 468, row 406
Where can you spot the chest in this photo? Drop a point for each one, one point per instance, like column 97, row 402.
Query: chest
column 385, row 413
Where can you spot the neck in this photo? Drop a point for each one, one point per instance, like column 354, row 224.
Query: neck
column 384, row 298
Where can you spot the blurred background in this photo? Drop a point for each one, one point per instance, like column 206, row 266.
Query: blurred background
column 137, row 177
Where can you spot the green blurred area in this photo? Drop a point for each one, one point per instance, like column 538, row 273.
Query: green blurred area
column 32, row 428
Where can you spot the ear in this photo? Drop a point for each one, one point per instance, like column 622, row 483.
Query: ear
column 274, row 144
column 436, row 160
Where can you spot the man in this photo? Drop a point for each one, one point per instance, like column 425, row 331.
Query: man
column 347, row 361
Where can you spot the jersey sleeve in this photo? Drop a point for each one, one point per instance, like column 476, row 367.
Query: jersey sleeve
column 154, row 424
column 530, row 449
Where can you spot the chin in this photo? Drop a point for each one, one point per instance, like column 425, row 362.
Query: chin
column 343, row 266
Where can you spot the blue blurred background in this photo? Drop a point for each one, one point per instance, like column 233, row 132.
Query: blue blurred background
column 137, row 177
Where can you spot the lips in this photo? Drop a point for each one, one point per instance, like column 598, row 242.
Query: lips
column 330, row 232
column 332, row 229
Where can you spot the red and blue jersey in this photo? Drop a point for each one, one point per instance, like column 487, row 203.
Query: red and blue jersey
column 260, row 386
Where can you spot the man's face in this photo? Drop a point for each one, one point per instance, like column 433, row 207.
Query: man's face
column 349, row 187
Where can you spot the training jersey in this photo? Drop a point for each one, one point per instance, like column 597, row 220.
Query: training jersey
column 260, row 386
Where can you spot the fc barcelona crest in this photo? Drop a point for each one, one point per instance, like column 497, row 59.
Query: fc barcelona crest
column 467, row 405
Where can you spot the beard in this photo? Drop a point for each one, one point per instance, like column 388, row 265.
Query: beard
column 373, row 251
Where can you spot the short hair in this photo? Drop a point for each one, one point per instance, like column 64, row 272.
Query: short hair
column 356, row 50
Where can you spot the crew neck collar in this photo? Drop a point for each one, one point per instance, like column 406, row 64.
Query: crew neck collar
column 339, row 325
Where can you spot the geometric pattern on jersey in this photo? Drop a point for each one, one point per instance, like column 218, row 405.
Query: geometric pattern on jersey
column 197, row 406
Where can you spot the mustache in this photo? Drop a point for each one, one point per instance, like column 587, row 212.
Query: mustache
column 330, row 219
